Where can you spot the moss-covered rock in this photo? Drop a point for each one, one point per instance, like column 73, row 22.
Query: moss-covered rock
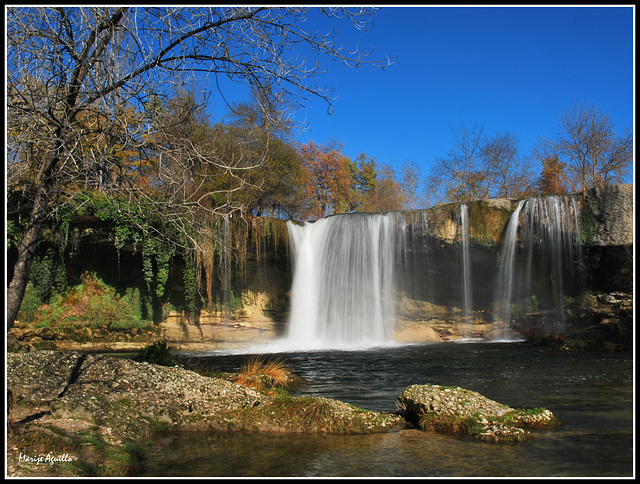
column 457, row 411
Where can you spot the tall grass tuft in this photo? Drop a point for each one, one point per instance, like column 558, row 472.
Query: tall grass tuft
column 255, row 370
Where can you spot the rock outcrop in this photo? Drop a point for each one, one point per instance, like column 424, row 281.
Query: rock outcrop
column 611, row 210
column 132, row 397
column 456, row 411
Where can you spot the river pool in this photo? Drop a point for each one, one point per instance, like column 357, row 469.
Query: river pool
column 591, row 393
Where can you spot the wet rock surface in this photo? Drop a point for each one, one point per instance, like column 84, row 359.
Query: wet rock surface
column 457, row 411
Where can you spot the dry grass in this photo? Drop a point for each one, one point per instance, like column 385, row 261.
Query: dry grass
column 255, row 368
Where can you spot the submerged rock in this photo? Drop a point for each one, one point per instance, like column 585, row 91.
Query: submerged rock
column 456, row 411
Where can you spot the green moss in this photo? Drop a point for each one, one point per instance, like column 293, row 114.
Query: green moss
column 450, row 424
column 31, row 302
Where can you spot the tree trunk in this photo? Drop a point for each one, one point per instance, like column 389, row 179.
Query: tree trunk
column 26, row 251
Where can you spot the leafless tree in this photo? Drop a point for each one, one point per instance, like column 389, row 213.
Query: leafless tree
column 589, row 148
column 508, row 173
column 458, row 176
column 412, row 185
column 78, row 79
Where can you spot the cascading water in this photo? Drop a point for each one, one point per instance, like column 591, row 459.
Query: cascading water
column 466, row 264
column 361, row 279
column 506, row 273
column 541, row 259
column 343, row 286
column 226, row 262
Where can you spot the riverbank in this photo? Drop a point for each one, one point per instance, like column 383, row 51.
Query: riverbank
column 602, row 321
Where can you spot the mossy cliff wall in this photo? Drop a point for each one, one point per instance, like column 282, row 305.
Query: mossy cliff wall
column 250, row 292
column 432, row 251
column 606, row 223
column 256, row 283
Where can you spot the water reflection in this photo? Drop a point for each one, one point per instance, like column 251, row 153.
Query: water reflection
column 591, row 393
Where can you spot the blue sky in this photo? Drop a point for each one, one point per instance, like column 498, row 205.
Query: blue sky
column 508, row 69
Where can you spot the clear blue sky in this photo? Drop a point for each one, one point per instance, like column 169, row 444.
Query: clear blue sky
column 508, row 69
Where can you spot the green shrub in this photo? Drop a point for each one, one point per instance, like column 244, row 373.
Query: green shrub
column 158, row 353
column 48, row 275
column 95, row 304
column 526, row 305
column 30, row 304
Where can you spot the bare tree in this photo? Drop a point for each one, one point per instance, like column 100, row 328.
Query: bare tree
column 509, row 174
column 79, row 77
column 459, row 176
column 412, row 185
column 478, row 167
column 589, row 148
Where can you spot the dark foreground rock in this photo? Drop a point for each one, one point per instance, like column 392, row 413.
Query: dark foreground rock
column 456, row 411
column 117, row 402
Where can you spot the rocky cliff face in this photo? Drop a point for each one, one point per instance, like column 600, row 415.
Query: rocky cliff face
column 430, row 301
column 610, row 208
column 429, row 306
column 608, row 235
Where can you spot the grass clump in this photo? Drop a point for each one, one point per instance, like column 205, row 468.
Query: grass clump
column 262, row 375
column 449, row 424
column 31, row 302
column 126, row 460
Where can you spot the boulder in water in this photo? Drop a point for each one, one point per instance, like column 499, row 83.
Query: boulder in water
column 457, row 411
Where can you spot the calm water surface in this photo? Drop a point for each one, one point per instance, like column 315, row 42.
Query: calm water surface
column 591, row 393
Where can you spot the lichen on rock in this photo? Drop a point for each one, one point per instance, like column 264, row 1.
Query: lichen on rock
column 457, row 411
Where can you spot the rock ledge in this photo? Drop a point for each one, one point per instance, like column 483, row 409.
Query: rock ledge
column 456, row 411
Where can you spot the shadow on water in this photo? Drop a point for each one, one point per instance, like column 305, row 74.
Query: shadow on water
column 591, row 394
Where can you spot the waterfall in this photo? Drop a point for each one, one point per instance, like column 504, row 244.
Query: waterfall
column 506, row 271
column 343, row 285
column 359, row 277
column 226, row 270
column 541, row 258
column 466, row 264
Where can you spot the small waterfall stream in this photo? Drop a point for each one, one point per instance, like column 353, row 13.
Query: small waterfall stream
column 466, row 265
column 506, row 273
column 541, row 261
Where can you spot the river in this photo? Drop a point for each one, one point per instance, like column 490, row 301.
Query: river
column 591, row 393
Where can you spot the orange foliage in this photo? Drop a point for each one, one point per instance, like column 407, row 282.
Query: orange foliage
column 329, row 183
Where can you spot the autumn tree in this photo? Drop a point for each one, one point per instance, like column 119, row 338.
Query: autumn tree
column 589, row 148
column 551, row 177
column 277, row 185
column 388, row 194
column 329, row 182
column 66, row 63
